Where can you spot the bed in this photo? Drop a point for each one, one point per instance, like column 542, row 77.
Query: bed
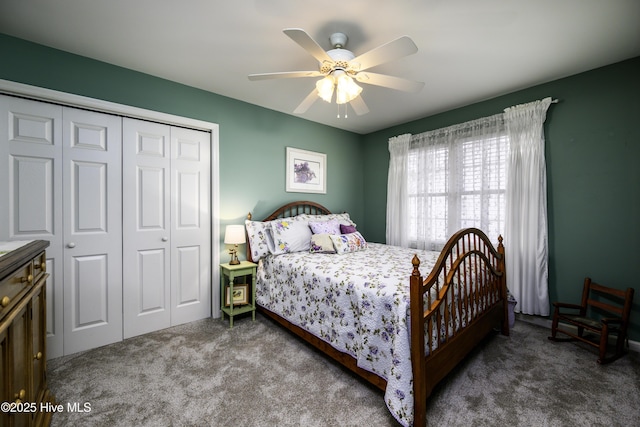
column 370, row 308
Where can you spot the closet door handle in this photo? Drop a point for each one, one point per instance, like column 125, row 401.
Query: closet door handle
column 165, row 239
column 71, row 245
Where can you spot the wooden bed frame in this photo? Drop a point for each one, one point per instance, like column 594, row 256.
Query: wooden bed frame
column 468, row 261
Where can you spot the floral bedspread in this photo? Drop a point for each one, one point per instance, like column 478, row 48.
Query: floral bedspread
column 358, row 302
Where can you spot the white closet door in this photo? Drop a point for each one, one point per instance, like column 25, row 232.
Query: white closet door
column 146, row 225
column 190, row 225
column 31, row 208
column 92, row 198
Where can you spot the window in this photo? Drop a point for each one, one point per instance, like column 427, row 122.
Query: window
column 456, row 184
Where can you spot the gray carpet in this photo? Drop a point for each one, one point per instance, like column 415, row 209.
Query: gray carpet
column 257, row 374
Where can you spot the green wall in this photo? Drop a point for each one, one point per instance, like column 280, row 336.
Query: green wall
column 593, row 176
column 592, row 149
column 253, row 140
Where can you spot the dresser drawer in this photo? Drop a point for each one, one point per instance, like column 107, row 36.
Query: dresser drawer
column 14, row 286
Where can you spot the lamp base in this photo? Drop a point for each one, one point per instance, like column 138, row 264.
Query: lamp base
column 234, row 256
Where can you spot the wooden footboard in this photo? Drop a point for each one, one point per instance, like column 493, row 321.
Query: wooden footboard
column 454, row 308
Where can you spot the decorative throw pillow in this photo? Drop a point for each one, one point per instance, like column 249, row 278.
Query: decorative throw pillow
column 325, row 227
column 290, row 235
column 260, row 239
column 348, row 242
column 321, row 243
column 347, row 229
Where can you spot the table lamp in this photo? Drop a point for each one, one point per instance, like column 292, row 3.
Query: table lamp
column 234, row 235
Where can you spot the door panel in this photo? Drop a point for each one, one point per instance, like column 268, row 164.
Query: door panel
column 33, row 195
column 89, row 198
column 31, row 156
column 92, row 184
column 151, row 265
column 189, row 284
column 90, row 291
column 147, row 234
column 187, row 200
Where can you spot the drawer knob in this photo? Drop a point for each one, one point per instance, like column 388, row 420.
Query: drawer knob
column 5, row 301
column 29, row 278
column 43, row 266
column 20, row 395
column 38, row 356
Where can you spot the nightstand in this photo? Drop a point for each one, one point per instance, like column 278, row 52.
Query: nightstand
column 238, row 298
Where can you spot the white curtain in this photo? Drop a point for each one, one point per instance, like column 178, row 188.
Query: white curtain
column 489, row 173
column 526, row 241
column 397, row 201
column 458, row 184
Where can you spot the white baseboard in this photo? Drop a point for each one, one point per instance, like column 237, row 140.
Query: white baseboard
column 546, row 323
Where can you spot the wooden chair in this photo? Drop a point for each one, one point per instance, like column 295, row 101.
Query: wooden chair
column 603, row 311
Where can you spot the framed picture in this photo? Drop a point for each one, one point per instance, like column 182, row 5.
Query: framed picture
column 306, row 171
column 240, row 295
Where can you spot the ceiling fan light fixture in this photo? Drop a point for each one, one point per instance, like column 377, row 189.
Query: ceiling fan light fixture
column 347, row 89
column 325, row 88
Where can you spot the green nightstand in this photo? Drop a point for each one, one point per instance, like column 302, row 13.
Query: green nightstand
column 243, row 294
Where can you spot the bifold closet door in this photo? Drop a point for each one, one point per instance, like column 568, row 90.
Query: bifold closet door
column 146, row 224
column 167, row 232
column 31, row 192
column 61, row 180
column 190, row 225
column 92, row 204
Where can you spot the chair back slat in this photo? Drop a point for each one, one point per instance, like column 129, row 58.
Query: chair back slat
column 606, row 307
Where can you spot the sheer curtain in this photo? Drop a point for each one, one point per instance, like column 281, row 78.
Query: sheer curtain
column 526, row 240
column 397, row 201
column 488, row 173
column 451, row 178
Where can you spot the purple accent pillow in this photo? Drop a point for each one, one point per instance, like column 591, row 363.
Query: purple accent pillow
column 325, row 227
column 347, row 229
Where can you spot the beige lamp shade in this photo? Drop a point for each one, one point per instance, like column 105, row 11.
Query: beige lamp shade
column 234, row 235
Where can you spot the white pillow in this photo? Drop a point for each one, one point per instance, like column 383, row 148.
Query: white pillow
column 290, row 235
column 260, row 239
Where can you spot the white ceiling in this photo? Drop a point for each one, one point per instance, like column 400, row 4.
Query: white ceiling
column 469, row 50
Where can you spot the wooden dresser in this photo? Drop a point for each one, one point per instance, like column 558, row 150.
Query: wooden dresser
column 23, row 332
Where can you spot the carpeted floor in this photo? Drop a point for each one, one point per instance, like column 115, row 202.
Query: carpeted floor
column 257, row 374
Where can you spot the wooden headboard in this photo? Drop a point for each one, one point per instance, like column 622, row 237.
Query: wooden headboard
column 291, row 209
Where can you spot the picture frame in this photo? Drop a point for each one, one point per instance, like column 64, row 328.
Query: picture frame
column 306, row 171
column 240, row 295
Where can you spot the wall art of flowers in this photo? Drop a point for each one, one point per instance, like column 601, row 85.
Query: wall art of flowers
column 304, row 172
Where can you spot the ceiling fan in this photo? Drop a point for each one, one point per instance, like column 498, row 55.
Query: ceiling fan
column 339, row 68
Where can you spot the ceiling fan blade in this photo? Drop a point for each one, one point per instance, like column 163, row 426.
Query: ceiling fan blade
column 285, row 75
column 307, row 102
column 395, row 49
column 359, row 106
column 307, row 43
column 391, row 82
